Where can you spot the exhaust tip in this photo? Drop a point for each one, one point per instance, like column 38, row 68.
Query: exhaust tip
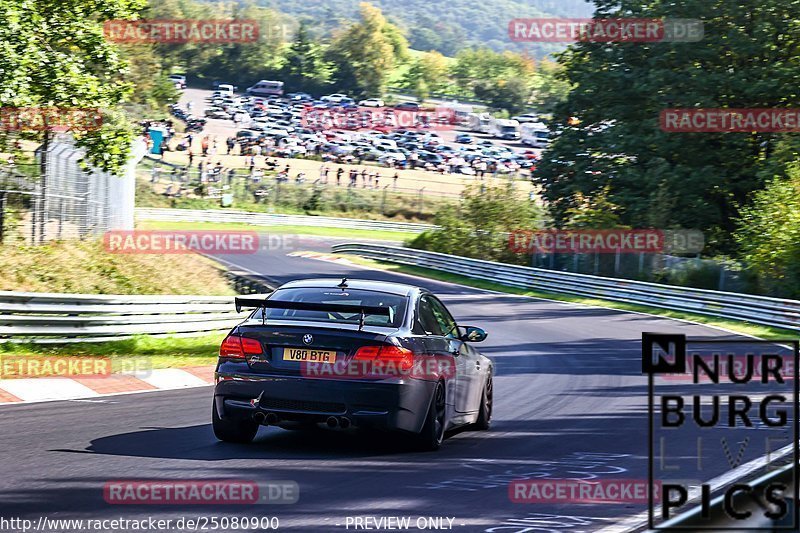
column 344, row 423
column 259, row 417
column 332, row 422
column 272, row 418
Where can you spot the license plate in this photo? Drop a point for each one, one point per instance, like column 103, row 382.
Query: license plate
column 307, row 355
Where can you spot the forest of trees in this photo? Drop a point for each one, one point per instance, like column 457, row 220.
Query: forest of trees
column 361, row 57
column 447, row 26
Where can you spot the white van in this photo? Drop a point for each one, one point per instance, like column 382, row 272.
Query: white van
column 225, row 89
column 535, row 134
column 266, row 88
column 479, row 123
column 504, row 129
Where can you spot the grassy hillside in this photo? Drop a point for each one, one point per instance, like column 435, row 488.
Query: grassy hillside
column 443, row 25
column 85, row 267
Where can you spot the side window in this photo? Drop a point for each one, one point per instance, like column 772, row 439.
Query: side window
column 446, row 322
column 426, row 319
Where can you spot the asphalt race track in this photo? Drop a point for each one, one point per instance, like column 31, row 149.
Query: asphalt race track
column 570, row 401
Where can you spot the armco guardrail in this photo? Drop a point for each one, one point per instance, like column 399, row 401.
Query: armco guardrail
column 267, row 219
column 756, row 309
column 62, row 318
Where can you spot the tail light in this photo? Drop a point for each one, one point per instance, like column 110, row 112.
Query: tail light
column 234, row 347
column 386, row 355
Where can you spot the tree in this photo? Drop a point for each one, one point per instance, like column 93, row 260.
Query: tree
column 485, row 67
column 234, row 62
column 152, row 88
column 609, row 134
column 593, row 213
column 54, row 55
column 512, row 95
column 430, row 72
column 304, row 68
column 365, row 53
column 769, row 235
column 548, row 86
column 479, row 227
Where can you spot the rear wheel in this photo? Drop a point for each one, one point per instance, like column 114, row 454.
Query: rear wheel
column 432, row 434
column 241, row 431
column 485, row 415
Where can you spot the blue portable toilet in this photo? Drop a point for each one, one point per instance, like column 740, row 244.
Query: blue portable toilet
column 157, row 134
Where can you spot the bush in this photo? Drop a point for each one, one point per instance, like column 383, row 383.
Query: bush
column 479, row 226
column 769, row 236
column 692, row 273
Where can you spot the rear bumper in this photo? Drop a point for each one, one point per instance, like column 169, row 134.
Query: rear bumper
column 386, row 404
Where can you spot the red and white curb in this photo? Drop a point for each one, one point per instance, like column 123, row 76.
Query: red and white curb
column 27, row 390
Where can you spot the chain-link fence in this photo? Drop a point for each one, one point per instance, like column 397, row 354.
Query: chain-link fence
column 61, row 199
column 375, row 192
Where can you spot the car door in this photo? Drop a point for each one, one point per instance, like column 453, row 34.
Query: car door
column 468, row 365
column 436, row 344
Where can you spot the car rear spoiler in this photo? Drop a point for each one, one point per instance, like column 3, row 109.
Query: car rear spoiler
column 264, row 303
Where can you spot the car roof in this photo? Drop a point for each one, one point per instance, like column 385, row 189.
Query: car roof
column 399, row 289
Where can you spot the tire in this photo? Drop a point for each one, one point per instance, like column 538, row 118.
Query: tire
column 240, row 432
column 484, row 421
column 432, row 434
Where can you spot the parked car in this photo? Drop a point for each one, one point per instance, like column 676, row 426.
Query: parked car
column 216, row 112
column 408, row 106
column 333, row 98
column 372, row 102
column 179, row 80
column 299, row 97
column 247, row 134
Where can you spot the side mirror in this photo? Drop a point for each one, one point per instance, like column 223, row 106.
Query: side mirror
column 473, row 334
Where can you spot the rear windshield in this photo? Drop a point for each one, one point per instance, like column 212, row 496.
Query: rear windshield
column 396, row 305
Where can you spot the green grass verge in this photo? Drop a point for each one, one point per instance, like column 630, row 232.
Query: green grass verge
column 747, row 328
column 88, row 267
column 156, row 352
column 398, row 236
